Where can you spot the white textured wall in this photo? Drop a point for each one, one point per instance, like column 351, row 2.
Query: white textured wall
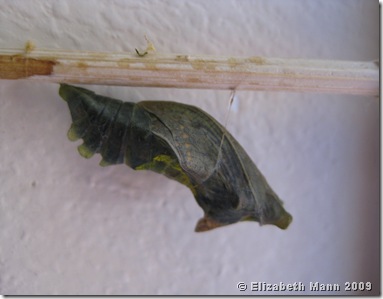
column 69, row 226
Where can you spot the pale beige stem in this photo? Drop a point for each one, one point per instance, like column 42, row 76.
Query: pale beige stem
column 187, row 71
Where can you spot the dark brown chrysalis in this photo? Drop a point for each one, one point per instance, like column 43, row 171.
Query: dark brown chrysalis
column 182, row 142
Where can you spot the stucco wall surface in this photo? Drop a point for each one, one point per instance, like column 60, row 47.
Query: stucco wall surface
column 69, row 226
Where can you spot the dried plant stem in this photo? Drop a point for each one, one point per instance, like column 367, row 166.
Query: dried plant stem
column 186, row 71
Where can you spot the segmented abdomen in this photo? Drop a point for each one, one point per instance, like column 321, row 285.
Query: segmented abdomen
column 112, row 128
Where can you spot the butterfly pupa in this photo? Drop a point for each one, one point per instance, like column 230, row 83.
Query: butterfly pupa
column 183, row 143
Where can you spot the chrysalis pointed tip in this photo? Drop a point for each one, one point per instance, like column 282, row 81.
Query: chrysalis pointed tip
column 284, row 221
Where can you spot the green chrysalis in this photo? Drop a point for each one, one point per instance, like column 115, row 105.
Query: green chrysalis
column 182, row 142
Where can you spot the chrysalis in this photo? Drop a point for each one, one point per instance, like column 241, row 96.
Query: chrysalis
column 182, row 142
